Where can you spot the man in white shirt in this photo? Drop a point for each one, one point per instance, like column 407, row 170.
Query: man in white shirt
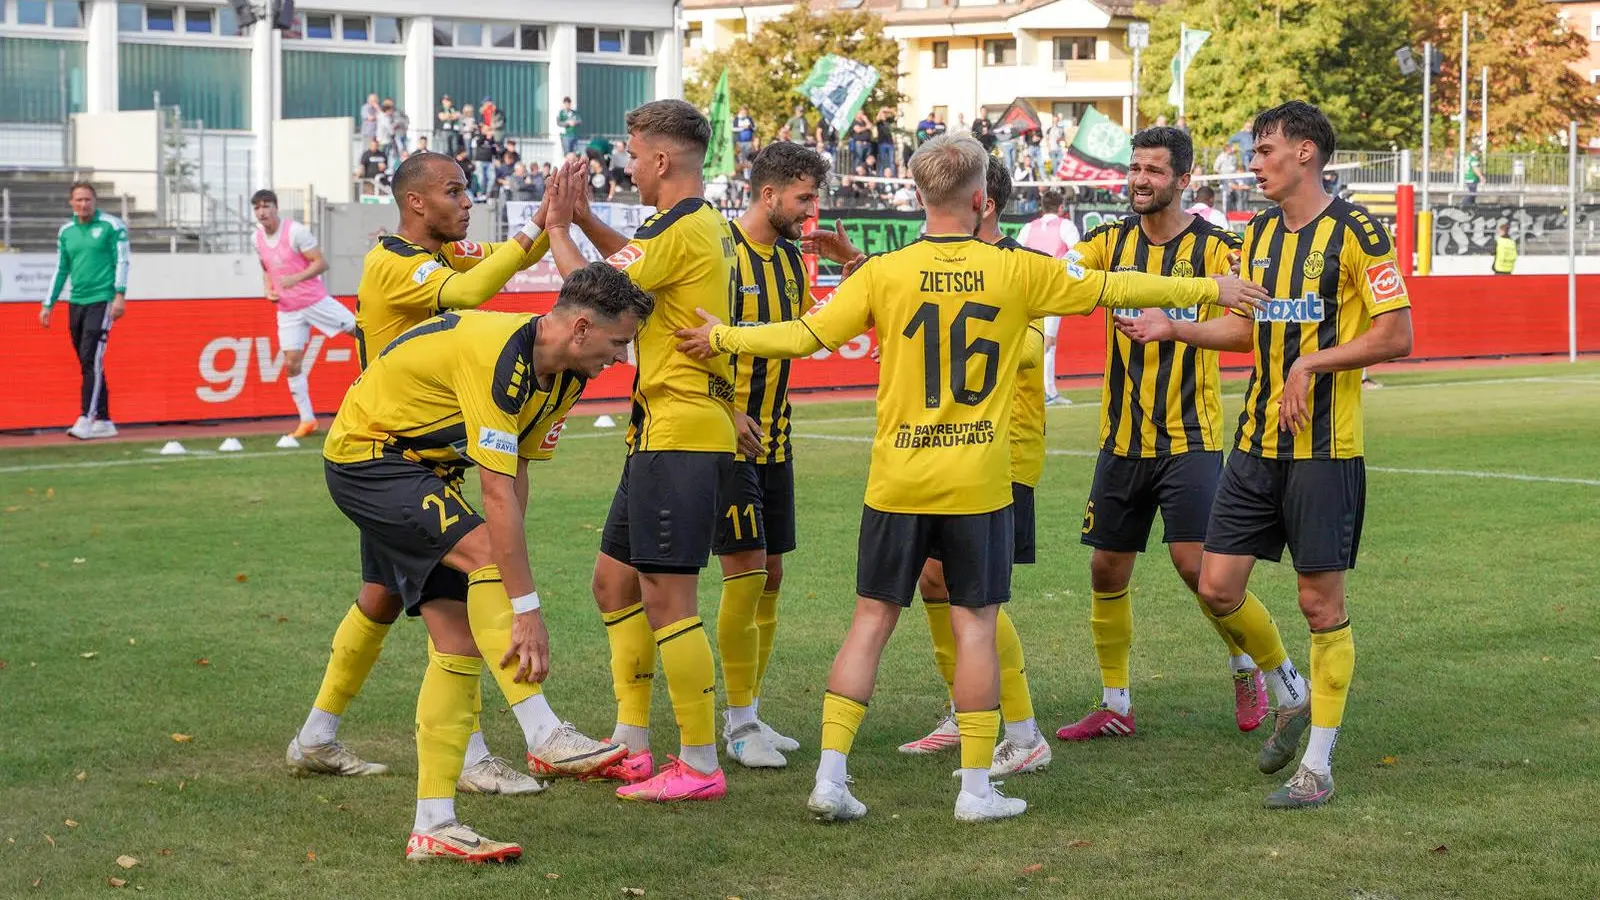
column 1052, row 234
column 1204, row 196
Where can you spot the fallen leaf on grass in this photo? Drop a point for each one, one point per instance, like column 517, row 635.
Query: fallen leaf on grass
column 79, row 560
column 202, row 661
column 50, row 840
column 282, row 619
column 633, row 892
column 182, row 738
column 164, row 851
column 1441, row 850
column 89, row 654
column 13, row 509
column 181, row 782
column 126, row 861
column 342, row 806
column 82, row 776
column 36, row 882
column 241, row 578
column 3, row 663
column 71, row 823
column 132, row 642
column 551, row 875
column 1030, row 869
column 1078, row 843
column 116, row 882
column 49, row 493
column 311, row 856
column 1390, row 760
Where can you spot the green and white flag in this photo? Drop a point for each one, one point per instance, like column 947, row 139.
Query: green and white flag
column 839, row 88
column 1189, row 41
column 719, row 155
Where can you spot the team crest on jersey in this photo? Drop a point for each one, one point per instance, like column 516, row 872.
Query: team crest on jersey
column 791, row 292
column 1385, row 281
column 95, row 232
column 1183, row 269
column 1314, row 264
column 469, row 249
column 553, row 435
column 626, row 257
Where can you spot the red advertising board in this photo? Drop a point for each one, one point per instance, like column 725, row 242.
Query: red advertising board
column 199, row 360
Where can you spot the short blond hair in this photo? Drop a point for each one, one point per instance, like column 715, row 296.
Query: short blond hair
column 948, row 167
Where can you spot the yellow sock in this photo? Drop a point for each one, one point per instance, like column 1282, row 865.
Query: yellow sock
column 1233, row 646
column 1016, row 702
column 766, row 630
column 444, row 721
column 489, row 614
column 943, row 637
column 633, row 663
column 737, row 636
column 841, row 718
column 356, row 645
column 691, row 679
column 1333, row 661
column 1111, row 624
column 979, row 731
column 1253, row 630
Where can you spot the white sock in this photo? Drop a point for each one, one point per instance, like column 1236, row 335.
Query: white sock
column 700, row 757
column 1117, row 699
column 321, row 727
column 1241, row 663
column 832, row 767
column 536, row 718
column 477, row 750
column 976, row 782
column 1319, row 750
column 1288, row 688
column 755, row 707
column 740, row 715
column 300, row 390
column 634, row 737
column 433, row 812
column 1024, row 733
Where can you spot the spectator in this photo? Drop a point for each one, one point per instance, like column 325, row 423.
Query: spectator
column 489, row 114
column 860, row 138
column 467, row 125
column 1204, row 197
column 370, row 159
column 744, row 133
column 1183, row 124
column 1505, row 250
column 598, row 148
column 382, row 183
column 91, row 253
column 1472, row 174
column 983, row 130
column 400, row 127
column 1227, row 164
column 368, row 117
column 385, row 129
column 797, row 123
column 904, row 198
column 568, row 121
column 785, row 134
column 464, row 160
column 1244, row 142
column 620, row 161
column 601, row 187
column 485, row 151
column 449, row 122
column 504, row 170
column 1027, row 197
column 525, row 185
column 926, row 129
column 510, row 147
column 826, row 140
column 1161, row 121
column 884, row 125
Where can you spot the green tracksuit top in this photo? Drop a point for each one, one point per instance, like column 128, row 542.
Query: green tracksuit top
column 94, row 256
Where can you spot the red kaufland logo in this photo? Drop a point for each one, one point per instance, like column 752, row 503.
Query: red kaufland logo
column 1385, row 281
column 469, row 249
column 553, row 435
column 626, row 257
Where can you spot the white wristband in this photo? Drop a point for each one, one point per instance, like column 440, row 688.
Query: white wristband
column 525, row 603
column 532, row 231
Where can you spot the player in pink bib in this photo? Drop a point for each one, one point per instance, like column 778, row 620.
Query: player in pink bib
column 292, row 267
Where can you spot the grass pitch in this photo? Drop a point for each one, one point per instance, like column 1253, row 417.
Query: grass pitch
column 166, row 623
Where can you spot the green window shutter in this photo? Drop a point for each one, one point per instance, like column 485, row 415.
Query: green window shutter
column 607, row 93
column 210, row 84
column 44, row 80
column 320, row 85
column 520, row 90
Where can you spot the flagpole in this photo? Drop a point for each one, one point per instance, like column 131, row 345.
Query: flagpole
column 1183, row 64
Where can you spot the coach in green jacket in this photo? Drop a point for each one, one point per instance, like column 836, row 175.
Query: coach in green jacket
column 92, row 253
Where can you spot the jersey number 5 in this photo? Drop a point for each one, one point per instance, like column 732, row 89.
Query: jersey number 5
column 926, row 320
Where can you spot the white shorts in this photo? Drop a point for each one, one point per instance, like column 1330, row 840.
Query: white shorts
column 327, row 315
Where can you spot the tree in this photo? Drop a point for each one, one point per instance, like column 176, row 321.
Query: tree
column 1337, row 54
column 764, row 70
column 1533, row 89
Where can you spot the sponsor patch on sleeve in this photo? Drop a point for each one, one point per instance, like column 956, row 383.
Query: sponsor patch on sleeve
column 498, row 441
column 626, row 257
column 1385, row 281
column 553, row 435
column 1074, row 263
column 420, row 276
column 469, row 249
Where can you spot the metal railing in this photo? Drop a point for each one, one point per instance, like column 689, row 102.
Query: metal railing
column 30, row 144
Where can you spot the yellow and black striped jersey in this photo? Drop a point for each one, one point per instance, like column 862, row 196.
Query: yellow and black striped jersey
column 403, row 284
column 685, row 257
column 1329, row 280
column 455, row 391
column 951, row 313
column 1162, row 398
column 772, row 288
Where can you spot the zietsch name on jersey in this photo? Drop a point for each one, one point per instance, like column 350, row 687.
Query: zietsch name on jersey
column 944, row 434
column 951, row 282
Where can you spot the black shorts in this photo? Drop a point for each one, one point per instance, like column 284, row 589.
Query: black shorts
column 976, row 551
column 664, row 515
column 410, row 517
column 1022, row 528
column 757, row 507
column 1127, row 492
column 1314, row 506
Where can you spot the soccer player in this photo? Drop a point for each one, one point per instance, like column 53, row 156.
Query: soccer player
column 757, row 523
column 467, row 389
column 1052, row 234
column 1160, row 429
column 1297, row 476
column 91, row 253
column 423, row 269
column 292, row 267
column 663, row 519
column 953, row 326
column 1023, row 749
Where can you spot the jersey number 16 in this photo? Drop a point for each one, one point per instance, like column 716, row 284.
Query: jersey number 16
column 926, row 320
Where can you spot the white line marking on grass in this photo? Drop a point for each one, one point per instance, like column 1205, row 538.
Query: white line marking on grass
column 187, row 457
